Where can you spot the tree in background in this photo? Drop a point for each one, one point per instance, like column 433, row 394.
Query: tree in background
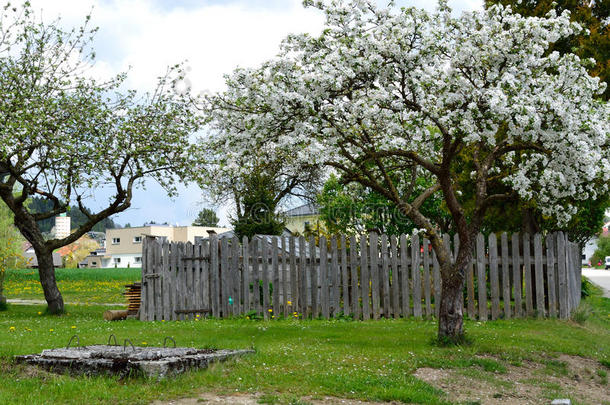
column 524, row 215
column 354, row 209
column 381, row 92
column 206, row 217
column 258, row 209
column 602, row 250
column 594, row 43
column 11, row 243
column 64, row 135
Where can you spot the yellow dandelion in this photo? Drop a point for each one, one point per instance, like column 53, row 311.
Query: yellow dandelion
column 72, row 327
column 272, row 316
column 51, row 330
column 144, row 343
column 247, row 317
column 12, row 329
column 270, row 310
column 289, row 302
column 39, row 313
column 294, row 313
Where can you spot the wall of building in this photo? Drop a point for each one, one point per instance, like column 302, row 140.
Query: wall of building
column 297, row 224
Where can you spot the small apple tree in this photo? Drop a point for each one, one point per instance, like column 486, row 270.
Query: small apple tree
column 471, row 100
column 65, row 136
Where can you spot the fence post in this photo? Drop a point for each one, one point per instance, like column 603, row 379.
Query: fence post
column 564, row 309
column 505, row 275
column 481, row 282
column 365, row 278
column 416, row 276
column 493, row 276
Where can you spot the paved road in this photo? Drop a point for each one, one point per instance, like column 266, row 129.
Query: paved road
column 599, row 277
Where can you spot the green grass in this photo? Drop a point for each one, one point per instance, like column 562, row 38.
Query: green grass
column 76, row 285
column 364, row 360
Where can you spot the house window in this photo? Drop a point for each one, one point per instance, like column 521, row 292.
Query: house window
column 117, row 260
column 116, row 241
column 93, row 264
column 137, row 239
column 138, row 259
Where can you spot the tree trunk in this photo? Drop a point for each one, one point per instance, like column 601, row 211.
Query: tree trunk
column 451, row 314
column 46, row 272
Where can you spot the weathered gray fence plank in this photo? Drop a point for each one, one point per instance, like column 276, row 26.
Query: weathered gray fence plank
column 225, row 278
column 334, row 277
column 166, row 281
column 539, row 276
column 415, row 272
column 256, row 284
column 196, row 291
column 365, row 277
column 188, row 278
column 303, row 278
column 517, row 281
column 438, row 284
column 285, row 279
column 214, row 277
column 265, row 278
column 505, row 275
column 564, row 310
column 175, row 254
column 276, row 277
column 550, row 273
column 404, row 277
column 315, row 280
column 353, row 262
column 182, row 279
column 527, row 275
column 374, row 252
column 470, row 308
column 324, row 294
column 481, row 282
column 493, row 276
column 237, row 288
column 143, row 315
column 385, row 277
column 345, row 278
column 427, row 297
column 294, row 287
column 395, row 277
column 245, row 275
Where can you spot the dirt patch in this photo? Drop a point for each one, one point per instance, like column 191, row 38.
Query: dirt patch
column 529, row 382
column 255, row 399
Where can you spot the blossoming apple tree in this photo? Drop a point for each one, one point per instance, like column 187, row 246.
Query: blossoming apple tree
column 473, row 101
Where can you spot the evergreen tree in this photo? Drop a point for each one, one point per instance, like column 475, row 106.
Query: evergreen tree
column 206, row 217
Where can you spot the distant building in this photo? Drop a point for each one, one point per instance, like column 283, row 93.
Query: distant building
column 299, row 218
column 62, row 226
column 124, row 245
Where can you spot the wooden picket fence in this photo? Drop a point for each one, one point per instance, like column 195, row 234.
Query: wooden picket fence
column 366, row 278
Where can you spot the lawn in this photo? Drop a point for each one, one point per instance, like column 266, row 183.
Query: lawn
column 83, row 286
column 372, row 360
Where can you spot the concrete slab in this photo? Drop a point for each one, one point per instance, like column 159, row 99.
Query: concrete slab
column 154, row 362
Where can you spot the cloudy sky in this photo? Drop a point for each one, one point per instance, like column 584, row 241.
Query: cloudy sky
column 212, row 36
